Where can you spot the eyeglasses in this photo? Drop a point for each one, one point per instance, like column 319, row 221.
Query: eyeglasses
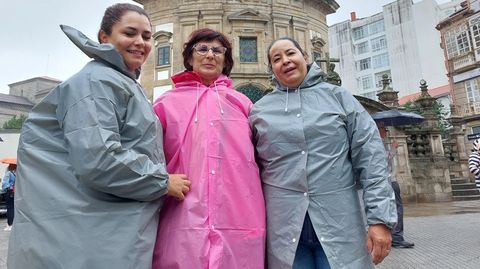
column 204, row 49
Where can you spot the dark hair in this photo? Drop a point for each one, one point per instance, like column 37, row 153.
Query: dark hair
column 12, row 167
column 294, row 42
column 114, row 13
column 206, row 34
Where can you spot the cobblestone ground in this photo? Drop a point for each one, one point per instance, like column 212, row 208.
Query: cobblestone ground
column 441, row 241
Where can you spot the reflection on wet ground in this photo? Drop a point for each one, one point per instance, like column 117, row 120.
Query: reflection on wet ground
column 441, row 208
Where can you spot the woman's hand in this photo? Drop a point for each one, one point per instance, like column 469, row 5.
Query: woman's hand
column 379, row 242
column 178, row 186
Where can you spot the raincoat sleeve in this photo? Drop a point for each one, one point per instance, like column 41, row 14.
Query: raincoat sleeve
column 92, row 132
column 369, row 163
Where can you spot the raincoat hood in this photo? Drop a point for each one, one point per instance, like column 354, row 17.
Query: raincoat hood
column 101, row 52
column 190, row 78
column 191, row 81
column 314, row 76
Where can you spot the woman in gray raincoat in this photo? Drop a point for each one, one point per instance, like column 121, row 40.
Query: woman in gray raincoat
column 315, row 142
column 91, row 162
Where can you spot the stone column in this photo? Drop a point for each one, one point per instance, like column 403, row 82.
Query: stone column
column 403, row 175
column 430, row 167
column 458, row 152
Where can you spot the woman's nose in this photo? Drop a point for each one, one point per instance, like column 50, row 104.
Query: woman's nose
column 210, row 53
column 139, row 40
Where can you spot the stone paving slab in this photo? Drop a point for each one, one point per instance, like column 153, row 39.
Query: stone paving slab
column 443, row 242
column 446, row 236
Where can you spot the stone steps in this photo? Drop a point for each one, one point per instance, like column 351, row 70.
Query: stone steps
column 463, row 190
column 466, row 198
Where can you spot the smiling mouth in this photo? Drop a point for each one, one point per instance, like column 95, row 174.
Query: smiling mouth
column 288, row 70
column 136, row 52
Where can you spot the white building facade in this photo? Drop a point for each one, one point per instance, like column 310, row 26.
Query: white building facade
column 401, row 41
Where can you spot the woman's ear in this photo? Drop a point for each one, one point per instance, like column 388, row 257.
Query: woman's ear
column 103, row 37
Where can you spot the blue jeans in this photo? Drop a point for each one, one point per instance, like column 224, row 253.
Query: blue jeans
column 309, row 254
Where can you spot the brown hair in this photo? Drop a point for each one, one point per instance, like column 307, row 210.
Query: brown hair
column 12, row 167
column 114, row 13
column 207, row 34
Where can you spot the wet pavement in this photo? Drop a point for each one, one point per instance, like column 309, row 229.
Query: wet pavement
column 446, row 236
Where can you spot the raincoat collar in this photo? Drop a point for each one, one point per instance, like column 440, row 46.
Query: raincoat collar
column 314, row 76
column 190, row 78
column 102, row 52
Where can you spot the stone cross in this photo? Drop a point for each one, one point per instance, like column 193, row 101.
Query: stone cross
column 327, row 60
column 331, row 76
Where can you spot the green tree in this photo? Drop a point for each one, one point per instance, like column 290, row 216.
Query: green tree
column 438, row 109
column 15, row 123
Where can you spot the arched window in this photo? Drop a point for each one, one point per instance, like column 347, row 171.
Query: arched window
column 253, row 92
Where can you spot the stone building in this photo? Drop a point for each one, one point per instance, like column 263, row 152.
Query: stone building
column 460, row 40
column 251, row 26
column 23, row 95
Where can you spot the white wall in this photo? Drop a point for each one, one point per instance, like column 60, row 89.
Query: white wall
column 431, row 56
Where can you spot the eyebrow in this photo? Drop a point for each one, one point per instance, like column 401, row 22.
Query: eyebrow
column 135, row 29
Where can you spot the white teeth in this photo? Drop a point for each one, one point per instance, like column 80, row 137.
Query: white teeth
column 135, row 52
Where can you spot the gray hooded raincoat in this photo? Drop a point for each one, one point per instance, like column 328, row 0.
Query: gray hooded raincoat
column 90, row 171
column 312, row 143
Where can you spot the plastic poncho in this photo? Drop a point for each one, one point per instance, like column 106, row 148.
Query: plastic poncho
column 92, row 171
column 221, row 222
column 312, row 143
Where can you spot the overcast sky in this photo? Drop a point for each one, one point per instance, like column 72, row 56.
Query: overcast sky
column 33, row 45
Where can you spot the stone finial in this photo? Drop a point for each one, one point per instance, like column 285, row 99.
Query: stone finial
column 425, row 100
column 387, row 95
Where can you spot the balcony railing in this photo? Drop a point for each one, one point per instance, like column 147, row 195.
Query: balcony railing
column 463, row 61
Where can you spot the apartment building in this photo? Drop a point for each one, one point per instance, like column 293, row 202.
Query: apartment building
column 401, row 41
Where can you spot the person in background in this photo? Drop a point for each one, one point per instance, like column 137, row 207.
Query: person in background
column 474, row 162
column 8, row 187
column 221, row 223
column 91, row 162
column 313, row 140
column 398, row 241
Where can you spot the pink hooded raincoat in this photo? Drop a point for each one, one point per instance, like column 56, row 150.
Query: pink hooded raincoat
column 221, row 223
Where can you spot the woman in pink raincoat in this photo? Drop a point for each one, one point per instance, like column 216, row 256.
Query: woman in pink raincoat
column 221, row 222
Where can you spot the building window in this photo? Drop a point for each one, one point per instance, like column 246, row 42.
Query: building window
column 379, row 43
column 248, row 49
column 367, row 82
column 475, row 28
column 380, row 60
column 370, row 95
column 376, row 27
column 362, row 48
column 475, row 129
column 363, row 64
column 163, row 55
column 471, row 87
column 360, row 32
column 456, row 41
